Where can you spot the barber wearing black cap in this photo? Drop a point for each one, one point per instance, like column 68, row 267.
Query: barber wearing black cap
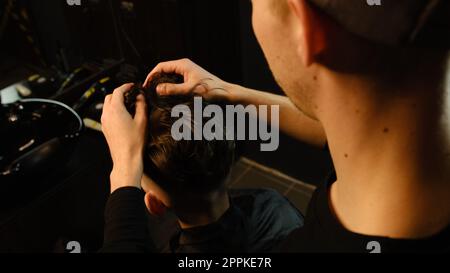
column 368, row 81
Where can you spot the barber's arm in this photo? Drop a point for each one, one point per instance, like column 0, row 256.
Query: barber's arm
column 292, row 121
column 125, row 213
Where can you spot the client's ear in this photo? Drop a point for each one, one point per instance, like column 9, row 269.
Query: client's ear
column 311, row 30
column 154, row 205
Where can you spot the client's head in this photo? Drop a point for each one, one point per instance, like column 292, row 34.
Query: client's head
column 185, row 175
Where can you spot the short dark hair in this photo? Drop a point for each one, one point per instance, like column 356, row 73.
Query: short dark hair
column 184, row 166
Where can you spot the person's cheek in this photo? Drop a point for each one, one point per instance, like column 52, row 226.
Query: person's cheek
column 262, row 26
column 256, row 21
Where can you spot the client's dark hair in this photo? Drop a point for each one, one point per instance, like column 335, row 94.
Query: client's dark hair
column 185, row 166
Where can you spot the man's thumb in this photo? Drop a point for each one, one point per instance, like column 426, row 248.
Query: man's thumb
column 141, row 110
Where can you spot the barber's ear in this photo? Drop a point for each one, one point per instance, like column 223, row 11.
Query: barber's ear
column 155, row 206
column 310, row 28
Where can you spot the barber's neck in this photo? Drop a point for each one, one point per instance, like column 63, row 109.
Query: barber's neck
column 204, row 213
column 391, row 153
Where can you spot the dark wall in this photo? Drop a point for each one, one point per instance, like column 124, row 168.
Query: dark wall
column 148, row 32
column 158, row 30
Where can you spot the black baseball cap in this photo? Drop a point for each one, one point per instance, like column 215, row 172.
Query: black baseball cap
column 393, row 22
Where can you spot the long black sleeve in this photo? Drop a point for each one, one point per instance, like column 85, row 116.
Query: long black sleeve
column 125, row 222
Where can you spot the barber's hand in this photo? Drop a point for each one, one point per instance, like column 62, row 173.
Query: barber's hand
column 196, row 80
column 126, row 138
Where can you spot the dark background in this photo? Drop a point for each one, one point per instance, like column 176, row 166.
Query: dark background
column 216, row 34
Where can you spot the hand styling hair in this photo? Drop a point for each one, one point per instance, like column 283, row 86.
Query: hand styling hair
column 199, row 166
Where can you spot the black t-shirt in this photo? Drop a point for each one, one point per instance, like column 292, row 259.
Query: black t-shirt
column 256, row 221
column 126, row 223
column 323, row 232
